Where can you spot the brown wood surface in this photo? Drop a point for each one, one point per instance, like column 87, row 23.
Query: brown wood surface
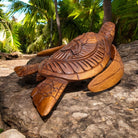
column 110, row 76
column 46, row 94
column 26, row 70
column 84, row 57
column 49, row 52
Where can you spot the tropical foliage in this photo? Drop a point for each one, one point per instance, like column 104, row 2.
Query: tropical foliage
column 38, row 30
column 78, row 17
column 8, row 34
column 125, row 15
column 38, row 16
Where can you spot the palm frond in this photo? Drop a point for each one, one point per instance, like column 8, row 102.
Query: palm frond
column 125, row 15
column 125, row 9
column 36, row 12
column 11, row 42
column 42, row 39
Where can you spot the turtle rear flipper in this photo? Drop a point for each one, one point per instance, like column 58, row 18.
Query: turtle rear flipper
column 46, row 94
column 110, row 76
column 26, row 70
column 50, row 51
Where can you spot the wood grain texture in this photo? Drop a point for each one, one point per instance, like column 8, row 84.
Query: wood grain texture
column 26, row 70
column 49, row 52
column 110, row 76
column 46, row 94
column 84, row 57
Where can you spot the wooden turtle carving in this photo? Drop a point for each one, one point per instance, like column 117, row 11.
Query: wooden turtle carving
column 84, row 57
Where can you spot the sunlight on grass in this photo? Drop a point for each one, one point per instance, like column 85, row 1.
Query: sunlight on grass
column 2, row 35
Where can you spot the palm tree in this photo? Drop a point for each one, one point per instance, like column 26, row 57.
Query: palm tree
column 37, row 12
column 79, row 16
column 58, row 24
column 90, row 12
column 76, row 16
column 107, row 10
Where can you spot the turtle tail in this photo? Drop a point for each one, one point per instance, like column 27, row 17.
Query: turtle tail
column 108, row 31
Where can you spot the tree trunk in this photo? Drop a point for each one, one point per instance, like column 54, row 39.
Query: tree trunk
column 58, row 24
column 51, row 29
column 107, row 11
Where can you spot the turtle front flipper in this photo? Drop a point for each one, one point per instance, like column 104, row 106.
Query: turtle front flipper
column 26, row 70
column 110, row 76
column 46, row 94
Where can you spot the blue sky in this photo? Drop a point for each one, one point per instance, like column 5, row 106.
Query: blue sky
column 18, row 16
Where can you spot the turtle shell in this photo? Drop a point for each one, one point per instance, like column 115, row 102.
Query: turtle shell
column 84, row 57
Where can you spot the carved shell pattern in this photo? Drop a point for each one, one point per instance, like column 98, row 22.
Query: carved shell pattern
column 82, row 54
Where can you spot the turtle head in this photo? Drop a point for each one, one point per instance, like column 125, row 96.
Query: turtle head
column 108, row 31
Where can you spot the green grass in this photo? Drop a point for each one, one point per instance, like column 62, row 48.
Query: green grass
column 1, row 130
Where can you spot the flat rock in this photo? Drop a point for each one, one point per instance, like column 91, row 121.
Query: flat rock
column 12, row 133
column 79, row 112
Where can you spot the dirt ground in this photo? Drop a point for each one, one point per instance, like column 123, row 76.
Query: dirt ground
column 7, row 66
